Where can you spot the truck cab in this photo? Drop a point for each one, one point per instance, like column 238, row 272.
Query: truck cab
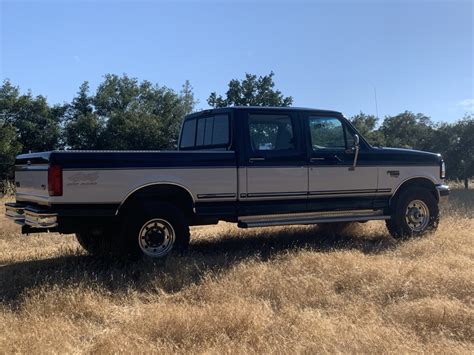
column 255, row 166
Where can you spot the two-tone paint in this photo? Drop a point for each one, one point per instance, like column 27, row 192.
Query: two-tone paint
column 235, row 182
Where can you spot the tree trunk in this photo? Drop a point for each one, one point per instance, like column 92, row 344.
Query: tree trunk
column 466, row 183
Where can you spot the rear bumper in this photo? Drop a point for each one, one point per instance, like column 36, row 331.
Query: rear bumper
column 31, row 216
column 443, row 193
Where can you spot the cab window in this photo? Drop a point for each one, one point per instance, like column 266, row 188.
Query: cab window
column 271, row 133
column 206, row 133
column 326, row 133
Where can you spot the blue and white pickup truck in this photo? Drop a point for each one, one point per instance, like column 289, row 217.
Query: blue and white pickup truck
column 250, row 165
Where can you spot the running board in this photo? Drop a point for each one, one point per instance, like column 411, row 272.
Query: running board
column 310, row 218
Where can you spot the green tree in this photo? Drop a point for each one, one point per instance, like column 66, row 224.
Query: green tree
column 408, row 130
column 188, row 100
column 83, row 127
column 367, row 126
column 456, row 143
column 251, row 91
column 140, row 115
column 36, row 123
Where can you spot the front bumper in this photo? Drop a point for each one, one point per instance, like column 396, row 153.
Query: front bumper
column 31, row 216
column 443, row 193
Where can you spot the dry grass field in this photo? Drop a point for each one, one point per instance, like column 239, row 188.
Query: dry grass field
column 281, row 290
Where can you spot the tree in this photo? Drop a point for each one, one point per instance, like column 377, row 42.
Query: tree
column 408, row 130
column 140, row 115
column 35, row 122
column 456, row 143
column 187, row 97
column 9, row 143
column 251, row 91
column 83, row 127
column 366, row 125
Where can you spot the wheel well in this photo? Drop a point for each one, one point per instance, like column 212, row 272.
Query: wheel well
column 416, row 182
column 170, row 193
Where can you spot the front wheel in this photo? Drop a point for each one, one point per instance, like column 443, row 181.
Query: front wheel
column 415, row 212
column 155, row 231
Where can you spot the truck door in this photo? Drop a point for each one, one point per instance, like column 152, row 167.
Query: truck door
column 333, row 183
column 275, row 163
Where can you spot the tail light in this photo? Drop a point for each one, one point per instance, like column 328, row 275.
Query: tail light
column 55, row 180
column 442, row 170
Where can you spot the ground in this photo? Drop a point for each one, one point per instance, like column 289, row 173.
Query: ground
column 291, row 289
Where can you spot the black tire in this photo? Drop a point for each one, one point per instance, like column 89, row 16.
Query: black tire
column 146, row 231
column 96, row 242
column 399, row 227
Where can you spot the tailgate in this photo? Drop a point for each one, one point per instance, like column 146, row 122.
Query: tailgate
column 31, row 177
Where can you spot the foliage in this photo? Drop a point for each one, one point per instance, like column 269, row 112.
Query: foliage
column 251, row 91
column 83, row 126
column 408, row 130
column 366, row 125
column 127, row 114
column 36, row 123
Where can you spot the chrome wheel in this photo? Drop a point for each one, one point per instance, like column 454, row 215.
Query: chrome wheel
column 156, row 238
column 417, row 215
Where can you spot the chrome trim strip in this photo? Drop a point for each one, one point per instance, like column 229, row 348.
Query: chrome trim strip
column 221, row 195
column 153, row 168
column 276, row 194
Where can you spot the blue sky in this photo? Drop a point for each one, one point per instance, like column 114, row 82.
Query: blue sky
column 326, row 54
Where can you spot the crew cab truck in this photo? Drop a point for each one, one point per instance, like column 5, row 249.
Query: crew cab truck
column 250, row 165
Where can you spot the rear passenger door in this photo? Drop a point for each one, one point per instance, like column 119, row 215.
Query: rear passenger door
column 276, row 172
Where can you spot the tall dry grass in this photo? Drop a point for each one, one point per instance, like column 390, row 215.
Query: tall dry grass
column 293, row 289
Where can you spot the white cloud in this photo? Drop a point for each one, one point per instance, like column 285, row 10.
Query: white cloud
column 467, row 104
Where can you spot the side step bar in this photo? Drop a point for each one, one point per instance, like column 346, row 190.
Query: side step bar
column 310, row 218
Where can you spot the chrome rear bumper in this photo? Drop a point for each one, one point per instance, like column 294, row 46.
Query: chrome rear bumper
column 31, row 216
column 443, row 193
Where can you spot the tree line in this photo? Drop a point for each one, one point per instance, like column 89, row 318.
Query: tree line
column 125, row 113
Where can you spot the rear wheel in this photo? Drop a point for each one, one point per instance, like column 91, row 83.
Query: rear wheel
column 155, row 230
column 415, row 213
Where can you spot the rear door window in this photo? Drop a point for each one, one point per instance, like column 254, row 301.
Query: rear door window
column 271, row 133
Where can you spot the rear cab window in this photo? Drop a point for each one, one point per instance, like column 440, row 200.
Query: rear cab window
column 206, row 133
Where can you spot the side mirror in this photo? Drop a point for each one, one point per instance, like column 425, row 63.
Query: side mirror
column 356, row 140
column 356, row 148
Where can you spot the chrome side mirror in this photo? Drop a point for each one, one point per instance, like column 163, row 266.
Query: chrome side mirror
column 355, row 148
column 356, row 140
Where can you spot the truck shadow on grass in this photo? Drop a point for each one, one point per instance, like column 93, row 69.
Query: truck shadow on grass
column 207, row 256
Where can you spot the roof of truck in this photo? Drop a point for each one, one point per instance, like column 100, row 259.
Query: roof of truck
column 262, row 108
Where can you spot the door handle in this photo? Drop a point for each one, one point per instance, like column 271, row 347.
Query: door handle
column 317, row 159
column 254, row 159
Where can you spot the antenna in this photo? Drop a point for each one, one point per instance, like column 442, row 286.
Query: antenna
column 376, row 105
